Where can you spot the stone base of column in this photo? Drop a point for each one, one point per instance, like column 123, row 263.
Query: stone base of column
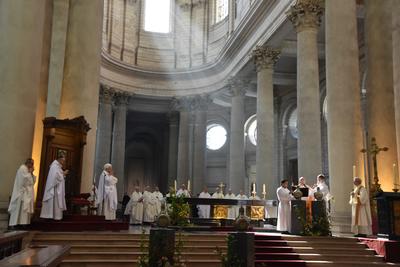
column 341, row 223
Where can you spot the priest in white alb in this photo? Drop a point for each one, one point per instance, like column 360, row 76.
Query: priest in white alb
column 284, row 198
column 240, row 196
column 135, row 207
column 218, row 193
column 231, row 209
column 53, row 202
column 204, row 210
column 183, row 192
column 149, row 206
column 22, row 198
column 361, row 223
column 107, row 197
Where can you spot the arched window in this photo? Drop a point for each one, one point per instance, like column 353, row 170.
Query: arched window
column 157, row 16
column 216, row 136
column 252, row 132
column 221, row 9
column 292, row 123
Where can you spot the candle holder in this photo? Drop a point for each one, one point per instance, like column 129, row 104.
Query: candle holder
column 395, row 190
column 264, row 195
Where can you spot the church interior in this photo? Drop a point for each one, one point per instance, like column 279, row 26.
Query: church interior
column 200, row 133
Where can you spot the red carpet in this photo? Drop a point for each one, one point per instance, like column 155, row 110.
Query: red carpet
column 388, row 248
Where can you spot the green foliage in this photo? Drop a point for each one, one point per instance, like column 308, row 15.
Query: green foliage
column 230, row 259
column 179, row 211
column 143, row 260
column 319, row 225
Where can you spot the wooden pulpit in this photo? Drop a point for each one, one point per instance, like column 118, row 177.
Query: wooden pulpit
column 388, row 205
column 62, row 136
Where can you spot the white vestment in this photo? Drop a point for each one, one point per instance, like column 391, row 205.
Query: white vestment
column 53, row 203
column 100, row 193
column 149, row 206
column 110, row 198
column 241, row 197
column 160, row 199
column 231, row 209
column 204, row 210
column 217, row 195
column 254, row 197
column 22, row 198
column 183, row 193
column 135, row 208
column 361, row 222
column 284, row 198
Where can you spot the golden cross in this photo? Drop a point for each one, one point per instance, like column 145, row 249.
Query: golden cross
column 374, row 151
column 221, row 185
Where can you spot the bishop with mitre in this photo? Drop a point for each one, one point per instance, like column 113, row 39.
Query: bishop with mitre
column 107, row 199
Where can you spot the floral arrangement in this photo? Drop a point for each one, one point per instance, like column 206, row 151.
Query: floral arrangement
column 178, row 210
column 318, row 226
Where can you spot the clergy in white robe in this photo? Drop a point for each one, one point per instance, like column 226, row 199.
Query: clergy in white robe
column 53, row 203
column 218, row 193
column 241, row 196
column 149, row 206
column 361, row 223
column 22, row 198
column 254, row 197
column 134, row 208
column 107, row 197
column 323, row 188
column 231, row 209
column 204, row 210
column 160, row 199
column 183, row 192
column 284, row 199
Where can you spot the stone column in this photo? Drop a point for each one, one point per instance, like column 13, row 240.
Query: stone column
column 104, row 130
column 118, row 140
column 199, row 143
column 306, row 18
column 343, row 106
column 173, row 147
column 265, row 59
column 21, row 46
column 80, row 93
column 236, row 145
column 379, row 85
column 396, row 69
column 183, row 173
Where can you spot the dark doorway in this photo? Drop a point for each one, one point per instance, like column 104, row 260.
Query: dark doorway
column 293, row 172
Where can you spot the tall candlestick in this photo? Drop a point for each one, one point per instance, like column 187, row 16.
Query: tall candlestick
column 395, row 175
column 254, row 187
column 188, row 185
column 264, row 189
column 175, row 185
column 354, row 171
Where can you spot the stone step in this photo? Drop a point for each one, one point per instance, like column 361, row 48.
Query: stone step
column 320, row 238
column 336, row 250
column 135, row 255
column 135, row 248
column 304, row 243
column 124, row 263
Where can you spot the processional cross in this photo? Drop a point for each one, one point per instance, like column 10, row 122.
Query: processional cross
column 374, row 151
column 221, row 185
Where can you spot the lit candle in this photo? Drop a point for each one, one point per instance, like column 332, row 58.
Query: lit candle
column 264, row 189
column 175, row 185
column 354, row 171
column 395, row 175
column 188, row 185
column 254, row 187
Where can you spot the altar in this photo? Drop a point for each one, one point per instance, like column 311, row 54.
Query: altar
column 254, row 209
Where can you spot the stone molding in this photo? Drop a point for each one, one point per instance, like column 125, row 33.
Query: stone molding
column 306, row 14
column 121, row 98
column 200, row 102
column 265, row 57
column 184, row 103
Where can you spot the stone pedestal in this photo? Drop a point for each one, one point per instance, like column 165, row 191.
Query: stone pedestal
column 161, row 245
column 318, row 210
column 241, row 249
column 306, row 18
column 265, row 59
column 236, row 145
column 298, row 214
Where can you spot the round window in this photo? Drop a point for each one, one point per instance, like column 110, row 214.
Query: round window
column 216, row 136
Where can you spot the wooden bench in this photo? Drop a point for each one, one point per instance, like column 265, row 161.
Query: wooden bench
column 38, row 256
column 11, row 243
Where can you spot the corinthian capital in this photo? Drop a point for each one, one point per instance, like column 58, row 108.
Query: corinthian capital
column 184, row 103
column 106, row 94
column 306, row 14
column 121, row 98
column 200, row 102
column 265, row 57
column 237, row 86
